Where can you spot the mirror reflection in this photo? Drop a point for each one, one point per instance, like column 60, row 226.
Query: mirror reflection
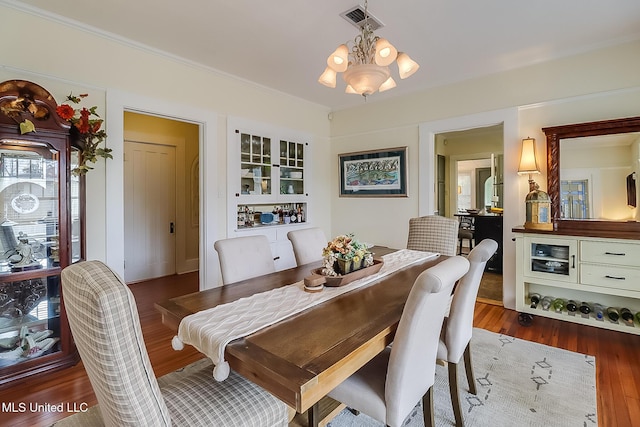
column 594, row 174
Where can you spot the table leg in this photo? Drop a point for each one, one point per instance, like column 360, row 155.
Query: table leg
column 313, row 415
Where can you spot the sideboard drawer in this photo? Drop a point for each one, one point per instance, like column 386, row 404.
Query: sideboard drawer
column 610, row 277
column 610, row 253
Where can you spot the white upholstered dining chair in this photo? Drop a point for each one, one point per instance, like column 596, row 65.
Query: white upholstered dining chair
column 458, row 325
column 244, row 257
column 106, row 328
column 433, row 233
column 308, row 244
column 389, row 386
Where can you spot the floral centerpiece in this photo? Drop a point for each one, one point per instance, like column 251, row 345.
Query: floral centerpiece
column 345, row 254
column 87, row 125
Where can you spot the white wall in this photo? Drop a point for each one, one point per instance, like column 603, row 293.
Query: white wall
column 63, row 58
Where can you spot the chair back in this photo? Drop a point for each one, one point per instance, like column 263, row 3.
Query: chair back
column 459, row 323
column 105, row 325
column 245, row 257
column 433, row 233
column 308, row 244
column 411, row 370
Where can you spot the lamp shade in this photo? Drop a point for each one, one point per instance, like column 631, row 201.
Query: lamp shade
column 528, row 159
column 385, row 52
column 406, row 65
column 339, row 59
column 366, row 79
column 328, row 78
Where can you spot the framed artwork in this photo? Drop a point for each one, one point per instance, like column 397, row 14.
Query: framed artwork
column 376, row 173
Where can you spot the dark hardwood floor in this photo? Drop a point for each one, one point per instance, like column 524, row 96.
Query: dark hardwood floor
column 617, row 358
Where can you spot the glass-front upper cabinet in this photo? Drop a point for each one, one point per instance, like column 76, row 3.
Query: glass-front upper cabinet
column 41, row 211
column 269, row 163
column 255, row 164
column 291, row 167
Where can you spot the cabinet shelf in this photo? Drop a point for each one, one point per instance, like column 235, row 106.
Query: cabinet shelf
column 589, row 320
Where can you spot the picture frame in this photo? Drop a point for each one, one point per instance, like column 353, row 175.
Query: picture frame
column 374, row 173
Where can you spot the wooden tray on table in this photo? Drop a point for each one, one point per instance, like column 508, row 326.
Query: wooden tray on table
column 317, row 278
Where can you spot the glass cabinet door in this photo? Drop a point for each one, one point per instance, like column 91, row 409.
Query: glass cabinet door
column 255, row 164
column 552, row 258
column 291, row 167
column 29, row 253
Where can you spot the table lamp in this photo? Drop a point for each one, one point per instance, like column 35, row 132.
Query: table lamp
column 537, row 202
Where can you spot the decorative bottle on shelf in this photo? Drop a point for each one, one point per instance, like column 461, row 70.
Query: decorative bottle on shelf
column 638, row 317
column 546, row 302
column 613, row 314
column 585, row 308
column 626, row 315
column 598, row 310
column 572, row 306
column 558, row 305
column 535, row 299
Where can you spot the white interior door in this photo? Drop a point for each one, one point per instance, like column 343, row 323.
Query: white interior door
column 149, row 211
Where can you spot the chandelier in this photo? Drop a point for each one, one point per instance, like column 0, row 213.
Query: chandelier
column 366, row 67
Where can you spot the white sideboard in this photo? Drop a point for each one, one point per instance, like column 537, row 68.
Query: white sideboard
column 594, row 270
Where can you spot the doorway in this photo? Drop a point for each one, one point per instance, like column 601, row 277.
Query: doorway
column 474, row 182
column 161, row 197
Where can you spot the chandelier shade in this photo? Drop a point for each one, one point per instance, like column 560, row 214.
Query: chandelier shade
column 328, row 78
column 365, row 66
column 366, row 79
column 406, row 66
column 389, row 84
column 385, row 52
column 339, row 59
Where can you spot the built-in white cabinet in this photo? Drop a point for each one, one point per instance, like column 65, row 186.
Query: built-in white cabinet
column 268, row 169
column 594, row 272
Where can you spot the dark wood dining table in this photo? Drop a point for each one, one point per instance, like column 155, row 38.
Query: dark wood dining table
column 301, row 358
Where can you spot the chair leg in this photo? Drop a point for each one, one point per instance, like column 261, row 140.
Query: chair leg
column 455, row 395
column 427, row 408
column 468, row 366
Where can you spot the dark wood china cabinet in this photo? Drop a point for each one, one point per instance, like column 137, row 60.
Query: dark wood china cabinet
column 41, row 231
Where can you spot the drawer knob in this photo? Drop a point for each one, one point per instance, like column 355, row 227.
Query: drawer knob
column 614, row 277
column 615, row 253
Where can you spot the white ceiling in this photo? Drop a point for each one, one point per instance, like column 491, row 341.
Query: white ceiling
column 283, row 44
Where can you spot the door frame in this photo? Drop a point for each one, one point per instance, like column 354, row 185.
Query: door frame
column 117, row 103
column 427, row 180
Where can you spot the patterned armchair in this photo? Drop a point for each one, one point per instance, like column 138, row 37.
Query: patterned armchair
column 433, row 233
column 105, row 324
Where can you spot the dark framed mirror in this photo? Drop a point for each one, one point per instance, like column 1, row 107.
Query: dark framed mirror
column 584, row 205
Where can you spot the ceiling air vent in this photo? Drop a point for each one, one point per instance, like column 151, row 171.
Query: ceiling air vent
column 355, row 16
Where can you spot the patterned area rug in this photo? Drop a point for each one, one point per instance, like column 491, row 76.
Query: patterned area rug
column 518, row 383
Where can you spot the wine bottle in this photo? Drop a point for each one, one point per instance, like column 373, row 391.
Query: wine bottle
column 626, row 315
column 572, row 306
column 613, row 314
column 585, row 308
column 598, row 309
column 558, row 305
column 638, row 317
column 546, row 302
column 535, row 299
